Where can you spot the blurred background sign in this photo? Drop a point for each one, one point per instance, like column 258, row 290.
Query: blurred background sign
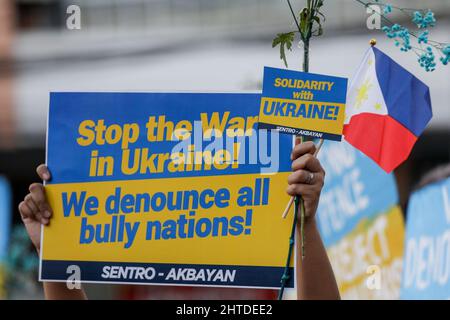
column 426, row 272
column 361, row 224
column 5, row 221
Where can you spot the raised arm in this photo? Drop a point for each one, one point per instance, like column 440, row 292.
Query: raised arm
column 36, row 212
column 315, row 277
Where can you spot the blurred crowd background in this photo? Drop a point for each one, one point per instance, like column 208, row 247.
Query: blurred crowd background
column 169, row 45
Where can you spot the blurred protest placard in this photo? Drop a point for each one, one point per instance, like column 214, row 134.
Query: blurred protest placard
column 361, row 224
column 304, row 104
column 164, row 188
column 426, row 269
column 5, row 221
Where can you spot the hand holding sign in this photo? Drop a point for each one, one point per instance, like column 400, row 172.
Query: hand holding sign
column 34, row 209
column 308, row 177
column 303, row 104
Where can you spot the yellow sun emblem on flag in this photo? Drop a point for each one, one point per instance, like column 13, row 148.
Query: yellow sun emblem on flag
column 363, row 93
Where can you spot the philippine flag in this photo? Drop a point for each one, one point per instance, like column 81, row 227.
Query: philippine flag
column 387, row 110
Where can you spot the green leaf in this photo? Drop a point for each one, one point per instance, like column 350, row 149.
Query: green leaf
column 284, row 40
column 317, row 19
column 319, row 30
column 304, row 22
column 322, row 15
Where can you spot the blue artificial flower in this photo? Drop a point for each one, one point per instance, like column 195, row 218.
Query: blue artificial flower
column 401, row 36
column 446, row 58
column 417, row 17
column 423, row 37
column 387, row 9
column 424, row 21
column 427, row 60
column 430, row 19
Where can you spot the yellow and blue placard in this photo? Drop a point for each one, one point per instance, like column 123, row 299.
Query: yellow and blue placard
column 361, row 224
column 304, row 104
column 164, row 188
column 426, row 268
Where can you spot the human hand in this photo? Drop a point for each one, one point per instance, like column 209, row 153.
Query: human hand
column 307, row 178
column 34, row 209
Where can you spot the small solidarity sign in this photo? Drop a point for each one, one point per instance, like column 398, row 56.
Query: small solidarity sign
column 304, row 104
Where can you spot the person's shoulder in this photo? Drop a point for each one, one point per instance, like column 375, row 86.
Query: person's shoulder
column 434, row 175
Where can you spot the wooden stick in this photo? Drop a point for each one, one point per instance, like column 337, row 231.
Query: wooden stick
column 291, row 201
column 289, row 205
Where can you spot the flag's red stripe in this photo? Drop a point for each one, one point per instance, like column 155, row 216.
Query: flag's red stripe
column 381, row 138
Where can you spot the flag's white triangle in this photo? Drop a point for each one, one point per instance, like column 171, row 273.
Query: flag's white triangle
column 364, row 94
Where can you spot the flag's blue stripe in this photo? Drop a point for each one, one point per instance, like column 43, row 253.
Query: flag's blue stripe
column 407, row 98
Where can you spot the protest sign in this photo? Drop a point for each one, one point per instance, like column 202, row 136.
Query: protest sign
column 5, row 221
column 304, row 104
column 164, row 188
column 361, row 224
column 426, row 268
